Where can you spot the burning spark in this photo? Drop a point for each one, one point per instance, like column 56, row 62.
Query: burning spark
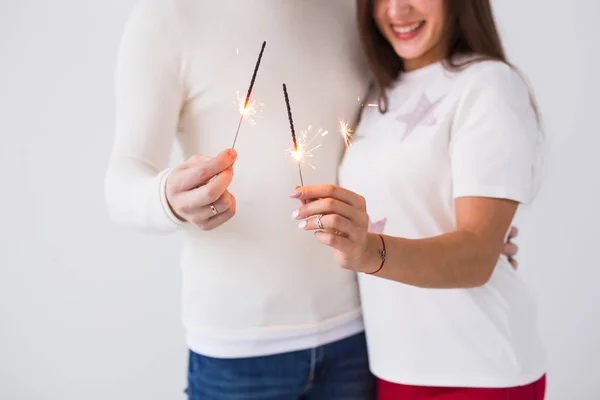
column 346, row 132
column 250, row 110
column 305, row 147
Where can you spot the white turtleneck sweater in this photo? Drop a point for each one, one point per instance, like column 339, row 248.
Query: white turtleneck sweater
column 256, row 285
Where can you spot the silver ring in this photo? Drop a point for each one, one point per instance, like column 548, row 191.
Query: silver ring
column 214, row 209
column 319, row 223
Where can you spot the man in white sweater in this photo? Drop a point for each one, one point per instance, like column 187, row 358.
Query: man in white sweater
column 268, row 314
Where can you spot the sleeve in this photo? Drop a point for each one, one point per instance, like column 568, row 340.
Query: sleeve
column 149, row 94
column 496, row 142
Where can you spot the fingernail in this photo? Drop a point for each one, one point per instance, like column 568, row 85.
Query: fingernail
column 295, row 214
column 302, row 224
column 295, row 195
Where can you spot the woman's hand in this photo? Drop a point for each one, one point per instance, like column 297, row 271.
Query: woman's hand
column 344, row 224
column 197, row 190
column 510, row 249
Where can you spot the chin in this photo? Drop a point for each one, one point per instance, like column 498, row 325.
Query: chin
column 410, row 54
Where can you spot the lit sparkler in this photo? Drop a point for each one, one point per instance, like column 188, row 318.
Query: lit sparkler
column 306, row 146
column 244, row 109
column 298, row 152
column 250, row 110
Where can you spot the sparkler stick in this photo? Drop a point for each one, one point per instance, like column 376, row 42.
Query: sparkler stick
column 244, row 108
column 297, row 154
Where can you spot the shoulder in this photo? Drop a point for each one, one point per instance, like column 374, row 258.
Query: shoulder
column 155, row 6
column 493, row 78
column 155, row 12
column 153, row 25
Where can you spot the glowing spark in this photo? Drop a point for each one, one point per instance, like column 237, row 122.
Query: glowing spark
column 346, row 133
column 371, row 105
column 250, row 110
column 237, row 51
column 305, row 146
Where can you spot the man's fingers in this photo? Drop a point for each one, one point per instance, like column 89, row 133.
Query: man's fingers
column 194, row 160
column 190, row 201
column 198, row 171
column 219, row 219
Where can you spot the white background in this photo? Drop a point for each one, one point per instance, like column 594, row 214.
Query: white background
column 90, row 310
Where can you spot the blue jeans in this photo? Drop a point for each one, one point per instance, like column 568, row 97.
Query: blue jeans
column 336, row 371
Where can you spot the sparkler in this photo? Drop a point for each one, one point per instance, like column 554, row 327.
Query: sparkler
column 244, row 106
column 305, row 145
column 250, row 110
column 297, row 152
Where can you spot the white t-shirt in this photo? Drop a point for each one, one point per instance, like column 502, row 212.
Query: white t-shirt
column 256, row 285
column 448, row 135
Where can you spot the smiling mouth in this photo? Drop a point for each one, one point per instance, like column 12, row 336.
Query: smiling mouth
column 407, row 30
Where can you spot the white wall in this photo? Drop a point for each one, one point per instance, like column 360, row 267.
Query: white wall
column 86, row 311
column 556, row 44
column 79, row 321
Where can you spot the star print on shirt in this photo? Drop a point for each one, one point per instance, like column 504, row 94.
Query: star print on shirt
column 377, row 226
column 421, row 115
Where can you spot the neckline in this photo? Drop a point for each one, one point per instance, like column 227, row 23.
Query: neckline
column 419, row 72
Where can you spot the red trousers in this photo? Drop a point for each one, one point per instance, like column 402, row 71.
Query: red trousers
column 392, row 391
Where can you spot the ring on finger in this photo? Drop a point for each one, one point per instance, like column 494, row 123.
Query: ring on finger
column 214, row 209
column 319, row 222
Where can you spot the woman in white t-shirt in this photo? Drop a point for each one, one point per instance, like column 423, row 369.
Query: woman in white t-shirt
column 443, row 166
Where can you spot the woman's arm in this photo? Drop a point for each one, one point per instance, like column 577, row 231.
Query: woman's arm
column 464, row 258
column 460, row 259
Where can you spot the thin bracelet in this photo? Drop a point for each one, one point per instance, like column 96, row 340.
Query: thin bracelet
column 382, row 255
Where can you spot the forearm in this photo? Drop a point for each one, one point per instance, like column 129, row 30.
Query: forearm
column 459, row 259
column 134, row 195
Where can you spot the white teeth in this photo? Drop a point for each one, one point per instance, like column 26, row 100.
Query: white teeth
column 407, row 29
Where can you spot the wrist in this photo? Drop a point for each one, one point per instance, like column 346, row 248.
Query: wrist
column 172, row 210
column 376, row 254
column 165, row 201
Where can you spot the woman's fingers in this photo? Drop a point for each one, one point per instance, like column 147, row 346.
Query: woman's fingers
column 332, row 223
column 330, row 239
column 510, row 250
column 328, row 206
column 308, row 193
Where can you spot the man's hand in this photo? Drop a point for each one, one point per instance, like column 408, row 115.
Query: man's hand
column 197, row 190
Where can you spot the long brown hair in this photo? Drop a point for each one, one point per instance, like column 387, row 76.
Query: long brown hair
column 470, row 30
